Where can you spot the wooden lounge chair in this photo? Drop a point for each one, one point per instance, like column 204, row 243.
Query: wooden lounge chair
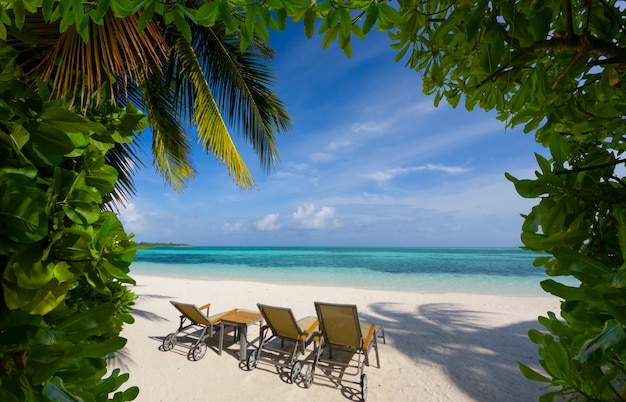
column 283, row 325
column 342, row 331
column 196, row 325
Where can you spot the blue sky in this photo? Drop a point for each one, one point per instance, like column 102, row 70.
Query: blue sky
column 369, row 162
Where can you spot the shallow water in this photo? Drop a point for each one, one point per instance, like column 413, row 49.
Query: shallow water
column 497, row 271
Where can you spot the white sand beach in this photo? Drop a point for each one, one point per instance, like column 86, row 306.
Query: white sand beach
column 439, row 347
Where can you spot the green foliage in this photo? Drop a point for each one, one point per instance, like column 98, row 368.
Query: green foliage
column 64, row 259
column 555, row 67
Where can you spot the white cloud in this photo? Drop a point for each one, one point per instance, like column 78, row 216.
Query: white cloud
column 268, row 223
column 132, row 218
column 309, row 217
column 232, row 227
column 388, row 174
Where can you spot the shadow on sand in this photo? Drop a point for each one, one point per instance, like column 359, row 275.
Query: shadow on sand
column 483, row 362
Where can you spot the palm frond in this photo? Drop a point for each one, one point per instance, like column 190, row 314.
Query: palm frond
column 125, row 160
column 240, row 83
column 212, row 131
column 170, row 143
column 115, row 55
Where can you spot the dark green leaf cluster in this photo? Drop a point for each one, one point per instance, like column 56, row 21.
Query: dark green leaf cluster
column 64, row 259
column 557, row 68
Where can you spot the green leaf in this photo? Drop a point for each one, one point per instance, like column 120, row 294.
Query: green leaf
column 225, row 14
column 309, row 21
column 536, row 336
column 563, row 291
column 63, row 272
column 28, row 270
column 55, row 390
column 370, row 17
column 388, row 14
column 611, row 335
column 146, row 15
column 18, row 12
column 182, row 25
column 68, row 121
column 122, row 8
column 208, row 13
column 559, row 147
column 81, row 212
column 531, row 374
column 346, row 22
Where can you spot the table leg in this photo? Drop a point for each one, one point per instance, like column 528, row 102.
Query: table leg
column 243, row 342
column 221, row 343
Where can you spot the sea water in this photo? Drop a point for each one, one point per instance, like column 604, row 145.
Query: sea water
column 496, row 271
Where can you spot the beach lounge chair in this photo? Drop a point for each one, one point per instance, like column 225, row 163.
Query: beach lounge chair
column 283, row 326
column 342, row 331
column 194, row 324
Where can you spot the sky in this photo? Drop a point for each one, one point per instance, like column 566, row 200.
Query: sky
column 369, row 161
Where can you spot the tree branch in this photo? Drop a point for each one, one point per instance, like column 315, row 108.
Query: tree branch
column 587, row 168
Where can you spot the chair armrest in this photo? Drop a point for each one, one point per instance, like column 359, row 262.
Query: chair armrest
column 370, row 335
column 206, row 306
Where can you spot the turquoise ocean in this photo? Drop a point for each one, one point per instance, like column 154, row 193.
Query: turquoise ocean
column 493, row 271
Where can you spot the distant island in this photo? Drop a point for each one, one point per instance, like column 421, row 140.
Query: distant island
column 148, row 244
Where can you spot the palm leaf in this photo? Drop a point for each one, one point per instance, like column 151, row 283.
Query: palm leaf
column 125, row 160
column 212, row 132
column 240, row 83
column 170, row 143
column 115, row 55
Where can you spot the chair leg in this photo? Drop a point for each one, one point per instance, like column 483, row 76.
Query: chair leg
column 376, row 347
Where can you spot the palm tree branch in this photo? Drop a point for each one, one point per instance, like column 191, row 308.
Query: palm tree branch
column 241, row 84
column 212, row 131
column 170, row 143
column 115, row 54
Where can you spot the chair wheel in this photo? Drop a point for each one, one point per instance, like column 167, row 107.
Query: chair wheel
column 295, row 371
column 307, row 375
column 198, row 351
column 364, row 386
column 252, row 360
column 169, row 342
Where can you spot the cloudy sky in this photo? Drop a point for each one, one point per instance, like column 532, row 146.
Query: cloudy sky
column 369, row 162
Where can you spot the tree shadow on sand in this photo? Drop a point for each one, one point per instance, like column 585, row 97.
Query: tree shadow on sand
column 480, row 361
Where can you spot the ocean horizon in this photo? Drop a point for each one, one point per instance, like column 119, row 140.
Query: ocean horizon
column 506, row 271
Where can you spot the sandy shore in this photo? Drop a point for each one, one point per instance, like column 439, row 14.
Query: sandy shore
column 440, row 347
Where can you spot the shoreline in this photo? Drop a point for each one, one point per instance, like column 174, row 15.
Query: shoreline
column 440, row 346
column 492, row 285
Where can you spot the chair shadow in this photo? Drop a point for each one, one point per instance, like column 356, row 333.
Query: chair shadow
column 444, row 334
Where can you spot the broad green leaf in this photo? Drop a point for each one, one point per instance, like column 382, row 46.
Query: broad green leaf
column 388, row 14
column 536, row 336
column 532, row 374
column 122, row 8
column 611, row 335
column 370, row 17
column 55, row 390
column 309, row 21
column 68, row 121
column 63, row 272
column 563, row 291
column 88, row 320
column 559, row 147
column 346, row 22
column 18, row 13
column 146, row 16
column 103, row 348
column 82, row 212
column 226, row 16
column 20, row 136
column 181, row 24
column 208, row 13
